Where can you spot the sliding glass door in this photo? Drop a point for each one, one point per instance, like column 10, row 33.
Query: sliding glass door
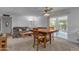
column 61, row 24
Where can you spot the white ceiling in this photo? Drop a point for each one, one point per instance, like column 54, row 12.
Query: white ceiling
column 15, row 11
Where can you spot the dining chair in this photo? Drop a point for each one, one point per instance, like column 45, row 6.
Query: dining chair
column 38, row 38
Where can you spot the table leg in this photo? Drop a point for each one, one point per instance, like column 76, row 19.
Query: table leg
column 53, row 36
column 45, row 42
column 38, row 42
column 50, row 37
column 34, row 42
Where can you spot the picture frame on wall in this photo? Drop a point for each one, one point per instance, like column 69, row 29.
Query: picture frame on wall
column 6, row 24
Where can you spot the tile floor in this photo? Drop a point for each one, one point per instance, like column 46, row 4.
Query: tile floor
column 25, row 44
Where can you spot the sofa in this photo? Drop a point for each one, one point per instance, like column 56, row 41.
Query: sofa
column 16, row 31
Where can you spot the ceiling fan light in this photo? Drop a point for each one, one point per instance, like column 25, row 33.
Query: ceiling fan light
column 46, row 14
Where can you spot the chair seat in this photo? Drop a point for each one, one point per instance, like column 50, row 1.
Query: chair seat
column 41, row 37
column 43, row 40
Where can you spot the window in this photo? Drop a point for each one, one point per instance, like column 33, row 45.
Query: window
column 52, row 22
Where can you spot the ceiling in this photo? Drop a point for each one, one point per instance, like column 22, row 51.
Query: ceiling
column 33, row 11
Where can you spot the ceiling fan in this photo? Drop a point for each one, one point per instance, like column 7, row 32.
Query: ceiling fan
column 47, row 11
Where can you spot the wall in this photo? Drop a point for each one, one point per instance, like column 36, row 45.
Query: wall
column 73, row 25
column 23, row 21
column 0, row 24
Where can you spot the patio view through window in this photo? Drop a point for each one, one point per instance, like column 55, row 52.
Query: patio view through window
column 61, row 24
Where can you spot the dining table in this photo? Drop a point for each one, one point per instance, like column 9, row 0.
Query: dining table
column 47, row 31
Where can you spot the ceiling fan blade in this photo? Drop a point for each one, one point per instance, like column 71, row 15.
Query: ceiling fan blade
column 50, row 9
column 47, row 10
